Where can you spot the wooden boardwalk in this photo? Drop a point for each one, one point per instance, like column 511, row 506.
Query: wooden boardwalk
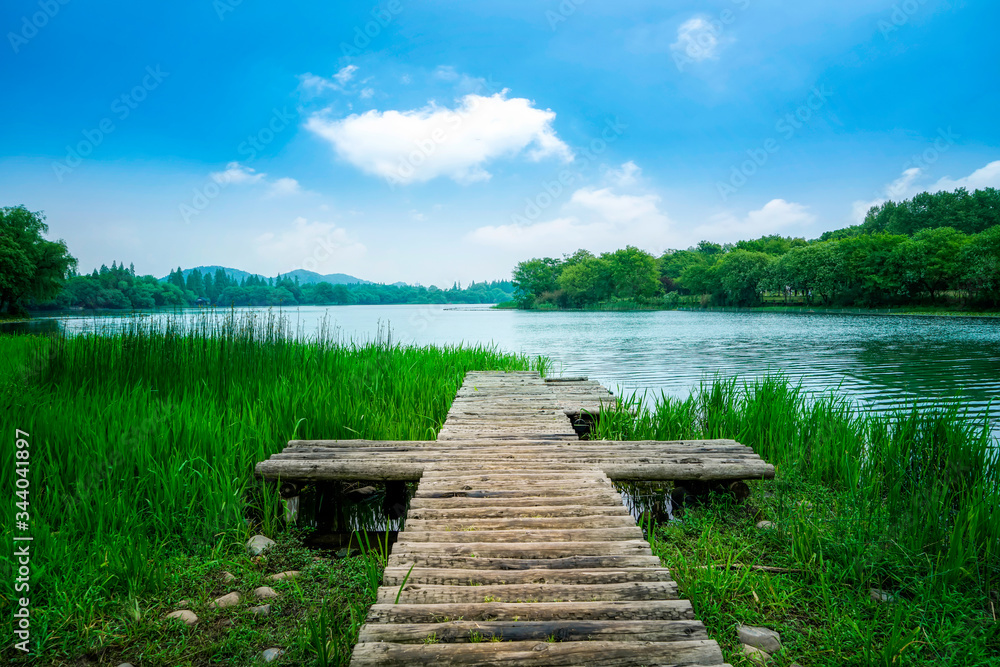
column 516, row 549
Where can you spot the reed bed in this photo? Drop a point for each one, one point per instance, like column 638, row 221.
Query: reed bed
column 907, row 503
column 143, row 442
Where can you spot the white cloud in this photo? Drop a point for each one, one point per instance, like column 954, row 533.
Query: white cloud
column 907, row 185
column 284, row 186
column 627, row 175
column 237, row 174
column 980, row 179
column 314, row 246
column 422, row 144
column 697, row 39
column 367, row 93
column 345, row 74
column 597, row 219
column 776, row 216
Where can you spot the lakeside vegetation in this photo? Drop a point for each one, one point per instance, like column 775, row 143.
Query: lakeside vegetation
column 907, row 504
column 143, row 442
column 937, row 250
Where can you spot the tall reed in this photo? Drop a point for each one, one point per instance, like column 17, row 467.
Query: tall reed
column 144, row 438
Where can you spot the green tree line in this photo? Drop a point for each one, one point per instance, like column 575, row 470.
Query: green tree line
column 941, row 248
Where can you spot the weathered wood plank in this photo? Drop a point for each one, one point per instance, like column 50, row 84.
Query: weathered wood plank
column 650, row 610
column 530, row 523
column 506, row 511
column 561, row 631
column 446, row 576
column 516, row 563
column 436, row 594
column 522, row 535
column 525, row 549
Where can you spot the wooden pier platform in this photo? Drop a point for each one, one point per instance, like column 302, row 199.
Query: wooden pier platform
column 516, row 549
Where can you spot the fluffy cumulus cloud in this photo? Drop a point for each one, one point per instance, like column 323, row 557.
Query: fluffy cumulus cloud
column 600, row 219
column 909, row 184
column 237, row 174
column 605, row 218
column 775, row 217
column 419, row 145
column 314, row 246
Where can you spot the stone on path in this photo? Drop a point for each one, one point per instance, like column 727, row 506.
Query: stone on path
column 184, row 615
column 281, row 576
column 755, row 655
column 229, row 600
column 762, row 638
column 126, row 664
column 258, row 543
column 262, row 610
column 764, row 525
column 271, row 654
column 265, row 593
column 227, row 577
column 878, row 595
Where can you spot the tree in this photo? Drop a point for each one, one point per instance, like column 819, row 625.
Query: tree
column 30, row 266
column 533, row 278
column 743, row 274
column 634, row 273
column 586, row 281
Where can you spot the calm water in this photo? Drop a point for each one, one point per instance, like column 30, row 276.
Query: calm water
column 880, row 362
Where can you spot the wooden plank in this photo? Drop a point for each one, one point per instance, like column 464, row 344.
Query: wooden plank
column 561, row 631
column 650, row 610
column 444, row 594
column 525, row 549
column 528, row 512
column 522, row 534
column 515, row 563
column 592, row 521
column 442, row 576
column 515, row 654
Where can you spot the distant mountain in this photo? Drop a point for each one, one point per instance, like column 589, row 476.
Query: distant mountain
column 305, row 277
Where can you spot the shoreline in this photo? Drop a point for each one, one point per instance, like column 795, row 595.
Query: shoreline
column 794, row 310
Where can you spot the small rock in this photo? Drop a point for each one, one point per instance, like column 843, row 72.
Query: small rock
column 229, row 600
column 281, row 576
column 227, row 577
column 764, row 525
column 755, row 655
column 126, row 664
column 183, row 604
column 762, row 638
column 265, row 593
column 258, row 543
column 271, row 654
column 185, row 616
column 878, row 595
column 262, row 610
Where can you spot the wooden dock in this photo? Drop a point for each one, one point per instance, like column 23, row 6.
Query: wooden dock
column 516, row 549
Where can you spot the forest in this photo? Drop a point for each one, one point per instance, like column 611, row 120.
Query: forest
column 940, row 249
column 118, row 287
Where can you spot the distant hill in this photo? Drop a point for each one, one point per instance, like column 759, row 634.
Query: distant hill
column 305, row 277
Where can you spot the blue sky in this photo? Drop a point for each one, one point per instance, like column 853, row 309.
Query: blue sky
column 439, row 141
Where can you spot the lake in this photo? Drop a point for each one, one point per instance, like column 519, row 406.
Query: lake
column 880, row 362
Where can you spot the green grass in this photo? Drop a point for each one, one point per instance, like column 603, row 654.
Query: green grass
column 143, row 442
column 907, row 503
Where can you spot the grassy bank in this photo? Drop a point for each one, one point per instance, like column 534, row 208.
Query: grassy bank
column 142, row 445
column 908, row 504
